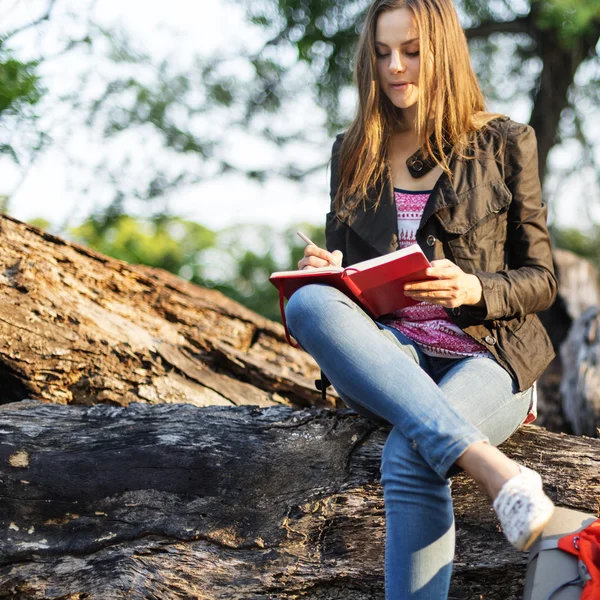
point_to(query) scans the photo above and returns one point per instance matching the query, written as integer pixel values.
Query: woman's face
(398, 60)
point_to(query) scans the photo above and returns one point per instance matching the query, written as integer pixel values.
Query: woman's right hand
(318, 257)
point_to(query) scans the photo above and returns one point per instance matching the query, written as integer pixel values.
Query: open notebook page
(325, 270)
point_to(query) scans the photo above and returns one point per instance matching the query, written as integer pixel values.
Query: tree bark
(579, 282)
(565, 399)
(176, 501)
(559, 66)
(580, 386)
(77, 327)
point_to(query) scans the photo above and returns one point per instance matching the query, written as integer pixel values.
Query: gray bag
(553, 574)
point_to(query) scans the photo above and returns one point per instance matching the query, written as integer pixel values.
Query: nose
(396, 64)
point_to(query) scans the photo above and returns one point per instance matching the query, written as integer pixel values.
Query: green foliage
(19, 84)
(247, 279)
(20, 90)
(170, 243)
(127, 104)
(323, 33)
(40, 223)
(586, 245)
(569, 19)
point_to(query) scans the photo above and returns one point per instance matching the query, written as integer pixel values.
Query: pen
(307, 240)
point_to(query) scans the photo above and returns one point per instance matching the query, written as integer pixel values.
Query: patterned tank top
(427, 324)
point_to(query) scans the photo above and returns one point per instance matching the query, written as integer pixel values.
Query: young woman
(422, 161)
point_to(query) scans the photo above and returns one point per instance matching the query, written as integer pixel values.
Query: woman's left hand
(453, 287)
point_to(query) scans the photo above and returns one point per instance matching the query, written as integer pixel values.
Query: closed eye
(409, 54)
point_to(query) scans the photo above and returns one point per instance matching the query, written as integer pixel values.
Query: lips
(400, 85)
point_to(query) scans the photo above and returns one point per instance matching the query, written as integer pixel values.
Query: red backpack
(565, 561)
(585, 545)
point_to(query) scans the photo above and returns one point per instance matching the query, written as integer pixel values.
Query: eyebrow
(402, 44)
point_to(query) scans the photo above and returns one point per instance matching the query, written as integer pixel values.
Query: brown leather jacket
(489, 220)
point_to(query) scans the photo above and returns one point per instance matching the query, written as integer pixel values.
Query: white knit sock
(523, 508)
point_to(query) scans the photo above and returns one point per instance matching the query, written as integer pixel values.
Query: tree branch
(589, 150)
(44, 17)
(520, 25)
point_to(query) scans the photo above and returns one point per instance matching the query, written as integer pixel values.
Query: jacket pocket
(475, 228)
(475, 207)
(528, 350)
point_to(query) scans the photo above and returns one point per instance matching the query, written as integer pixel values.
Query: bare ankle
(488, 466)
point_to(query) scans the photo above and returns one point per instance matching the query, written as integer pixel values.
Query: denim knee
(307, 304)
(402, 464)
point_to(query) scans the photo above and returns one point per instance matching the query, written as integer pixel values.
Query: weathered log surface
(176, 501)
(579, 288)
(79, 327)
(579, 282)
(580, 386)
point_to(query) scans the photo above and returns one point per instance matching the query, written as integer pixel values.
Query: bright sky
(203, 27)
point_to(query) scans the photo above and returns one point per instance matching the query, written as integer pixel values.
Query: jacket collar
(379, 226)
(442, 196)
(375, 224)
(421, 162)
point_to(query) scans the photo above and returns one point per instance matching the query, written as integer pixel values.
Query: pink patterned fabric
(427, 324)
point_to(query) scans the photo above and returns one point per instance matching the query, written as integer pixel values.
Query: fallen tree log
(78, 327)
(176, 501)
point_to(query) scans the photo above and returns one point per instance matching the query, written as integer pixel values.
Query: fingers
(447, 298)
(430, 286)
(338, 256)
(448, 289)
(315, 257)
(461, 288)
(312, 263)
(443, 269)
(442, 263)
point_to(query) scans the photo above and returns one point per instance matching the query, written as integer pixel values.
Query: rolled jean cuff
(445, 466)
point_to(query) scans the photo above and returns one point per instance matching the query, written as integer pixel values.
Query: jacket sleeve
(335, 230)
(529, 284)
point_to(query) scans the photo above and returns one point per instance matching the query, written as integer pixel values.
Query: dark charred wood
(176, 501)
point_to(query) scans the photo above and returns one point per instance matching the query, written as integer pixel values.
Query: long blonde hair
(453, 107)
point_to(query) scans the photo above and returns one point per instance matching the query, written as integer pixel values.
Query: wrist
(475, 295)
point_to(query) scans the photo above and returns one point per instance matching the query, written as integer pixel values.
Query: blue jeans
(438, 407)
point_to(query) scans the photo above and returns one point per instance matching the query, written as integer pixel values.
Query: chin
(402, 104)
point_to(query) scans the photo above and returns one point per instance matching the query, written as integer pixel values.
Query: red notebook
(376, 284)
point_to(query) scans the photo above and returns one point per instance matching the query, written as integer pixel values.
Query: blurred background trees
(164, 125)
